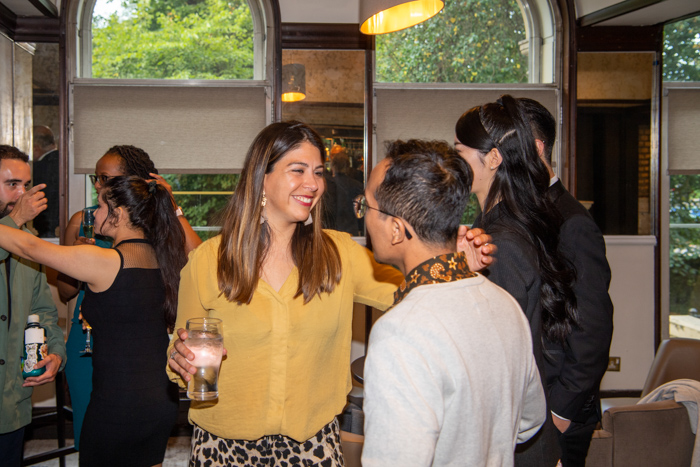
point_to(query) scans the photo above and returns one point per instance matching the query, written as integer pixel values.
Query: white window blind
(431, 112)
(185, 129)
(682, 127)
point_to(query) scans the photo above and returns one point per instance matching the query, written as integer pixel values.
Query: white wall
(632, 291)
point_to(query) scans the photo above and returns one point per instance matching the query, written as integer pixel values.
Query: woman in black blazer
(510, 182)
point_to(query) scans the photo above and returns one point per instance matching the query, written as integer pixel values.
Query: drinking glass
(206, 341)
(88, 342)
(89, 222)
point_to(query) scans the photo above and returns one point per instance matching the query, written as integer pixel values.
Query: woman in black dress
(510, 182)
(130, 303)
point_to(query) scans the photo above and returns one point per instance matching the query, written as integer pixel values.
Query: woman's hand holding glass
(181, 357)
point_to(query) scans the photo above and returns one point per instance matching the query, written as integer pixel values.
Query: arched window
(172, 39)
(189, 81)
(480, 41)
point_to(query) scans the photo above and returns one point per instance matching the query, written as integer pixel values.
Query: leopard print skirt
(323, 449)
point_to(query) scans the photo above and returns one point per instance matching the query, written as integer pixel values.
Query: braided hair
(135, 161)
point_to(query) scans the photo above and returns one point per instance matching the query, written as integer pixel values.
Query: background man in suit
(45, 169)
(573, 372)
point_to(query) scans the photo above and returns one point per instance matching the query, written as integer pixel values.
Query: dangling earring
(309, 220)
(263, 203)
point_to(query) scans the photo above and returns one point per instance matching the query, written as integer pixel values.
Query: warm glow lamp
(382, 16)
(293, 82)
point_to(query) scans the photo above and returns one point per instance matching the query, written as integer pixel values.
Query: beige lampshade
(383, 16)
(293, 82)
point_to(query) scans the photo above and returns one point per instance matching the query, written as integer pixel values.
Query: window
(681, 73)
(467, 42)
(484, 41)
(172, 39)
(186, 80)
(681, 54)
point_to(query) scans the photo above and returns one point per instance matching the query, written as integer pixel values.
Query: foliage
(469, 41)
(204, 208)
(684, 258)
(176, 39)
(471, 211)
(681, 55)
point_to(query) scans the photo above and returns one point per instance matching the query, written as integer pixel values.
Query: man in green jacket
(23, 291)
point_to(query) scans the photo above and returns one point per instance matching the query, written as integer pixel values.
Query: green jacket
(30, 295)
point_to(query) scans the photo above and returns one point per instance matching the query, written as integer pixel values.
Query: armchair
(656, 433)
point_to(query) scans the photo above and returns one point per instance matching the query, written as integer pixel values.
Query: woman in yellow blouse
(284, 288)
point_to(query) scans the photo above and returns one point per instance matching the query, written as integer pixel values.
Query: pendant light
(383, 16)
(293, 82)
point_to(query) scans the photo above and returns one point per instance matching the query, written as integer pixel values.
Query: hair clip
(152, 187)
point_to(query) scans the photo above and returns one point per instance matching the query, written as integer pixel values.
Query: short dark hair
(340, 162)
(427, 183)
(543, 125)
(43, 136)
(11, 152)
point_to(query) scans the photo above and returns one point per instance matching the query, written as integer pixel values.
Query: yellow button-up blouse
(288, 365)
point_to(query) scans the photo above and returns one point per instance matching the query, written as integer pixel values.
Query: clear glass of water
(206, 341)
(89, 222)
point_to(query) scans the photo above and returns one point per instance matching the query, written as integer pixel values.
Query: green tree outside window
(174, 39)
(472, 41)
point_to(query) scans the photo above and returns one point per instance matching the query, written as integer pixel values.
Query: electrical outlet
(614, 364)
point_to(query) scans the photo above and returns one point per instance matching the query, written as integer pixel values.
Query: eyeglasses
(102, 179)
(360, 206)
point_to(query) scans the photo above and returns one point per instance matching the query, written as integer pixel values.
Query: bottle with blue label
(34, 347)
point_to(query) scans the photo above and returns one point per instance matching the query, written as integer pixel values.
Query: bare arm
(192, 240)
(67, 286)
(70, 260)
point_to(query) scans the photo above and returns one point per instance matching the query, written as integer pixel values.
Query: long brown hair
(245, 241)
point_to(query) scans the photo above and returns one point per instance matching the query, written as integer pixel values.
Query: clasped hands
(476, 246)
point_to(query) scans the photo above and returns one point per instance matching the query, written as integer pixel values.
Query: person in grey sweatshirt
(450, 377)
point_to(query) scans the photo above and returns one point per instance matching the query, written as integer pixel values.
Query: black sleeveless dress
(133, 405)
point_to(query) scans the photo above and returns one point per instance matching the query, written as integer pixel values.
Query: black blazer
(574, 371)
(515, 269)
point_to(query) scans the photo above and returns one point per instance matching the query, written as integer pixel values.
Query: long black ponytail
(150, 209)
(519, 187)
